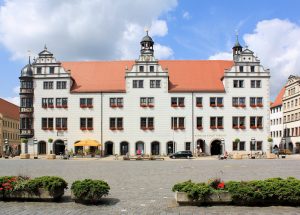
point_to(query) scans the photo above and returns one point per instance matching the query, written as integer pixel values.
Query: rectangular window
(48, 85)
(61, 102)
(51, 70)
(151, 68)
(39, 70)
(216, 101)
(116, 102)
(154, 83)
(238, 83)
(252, 68)
(199, 102)
(61, 123)
(199, 123)
(238, 122)
(216, 122)
(256, 122)
(177, 123)
(138, 84)
(86, 102)
(187, 146)
(147, 123)
(177, 102)
(147, 101)
(255, 83)
(238, 146)
(61, 85)
(241, 68)
(141, 68)
(86, 123)
(47, 123)
(116, 123)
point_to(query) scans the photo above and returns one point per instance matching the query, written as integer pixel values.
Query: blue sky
(184, 29)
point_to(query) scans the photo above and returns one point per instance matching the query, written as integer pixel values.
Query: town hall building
(146, 106)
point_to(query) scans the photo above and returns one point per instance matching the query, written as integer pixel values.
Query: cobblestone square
(144, 187)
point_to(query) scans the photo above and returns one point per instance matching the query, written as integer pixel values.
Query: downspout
(193, 122)
(101, 120)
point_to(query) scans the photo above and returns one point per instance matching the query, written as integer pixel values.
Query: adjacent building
(147, 106)
(291, 114)
(9, 128)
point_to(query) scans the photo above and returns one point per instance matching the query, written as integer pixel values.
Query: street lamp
(284, 145)
(34, 143)
(252, 145)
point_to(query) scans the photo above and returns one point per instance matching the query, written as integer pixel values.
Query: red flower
(1, 188)
(221, 185)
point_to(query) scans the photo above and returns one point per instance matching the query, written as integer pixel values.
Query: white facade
(276, 124)
(246, 69)
(291, 114)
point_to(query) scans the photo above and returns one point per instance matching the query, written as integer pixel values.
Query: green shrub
(90, 190)
(197, 191)
(10, 184)
(275, 191)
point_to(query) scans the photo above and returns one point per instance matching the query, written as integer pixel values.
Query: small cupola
(147, 45)
(237, 48)
(27, 70)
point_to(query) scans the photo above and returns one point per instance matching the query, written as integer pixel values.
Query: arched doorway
(109, 148)
(59, 147)
(42, 148)
(155, 148)
(291, 147)
(124, 148)
(215, 147)
(201, 146)
(297, 150)
(171, 147)
(140, 148)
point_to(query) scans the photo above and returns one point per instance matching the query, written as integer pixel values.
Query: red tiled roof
(184, 75)
(9, 110)
(278, 100)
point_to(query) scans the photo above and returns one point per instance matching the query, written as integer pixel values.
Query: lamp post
(252, 145)
(284, 145)
(5, 146)
(34, 143)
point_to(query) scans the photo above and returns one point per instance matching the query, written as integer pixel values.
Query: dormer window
(151, 68)
(241, 69)
(39, 70)
(51, 70)
(141, 68)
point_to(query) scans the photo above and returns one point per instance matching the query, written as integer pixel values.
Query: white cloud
(79, 29)
(221, 56)
(186, 15)
(15, 100)
(276, 42)
(163, 52)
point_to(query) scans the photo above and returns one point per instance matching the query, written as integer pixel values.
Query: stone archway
(140, 148)
(124, 148)
(42, 147)
(155, 148)
(109, 148)
(171, 147)
(59, 147)
(201, 146)
(215, 147)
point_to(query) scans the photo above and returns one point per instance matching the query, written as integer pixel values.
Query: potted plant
(237, 140)
(89, 191)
